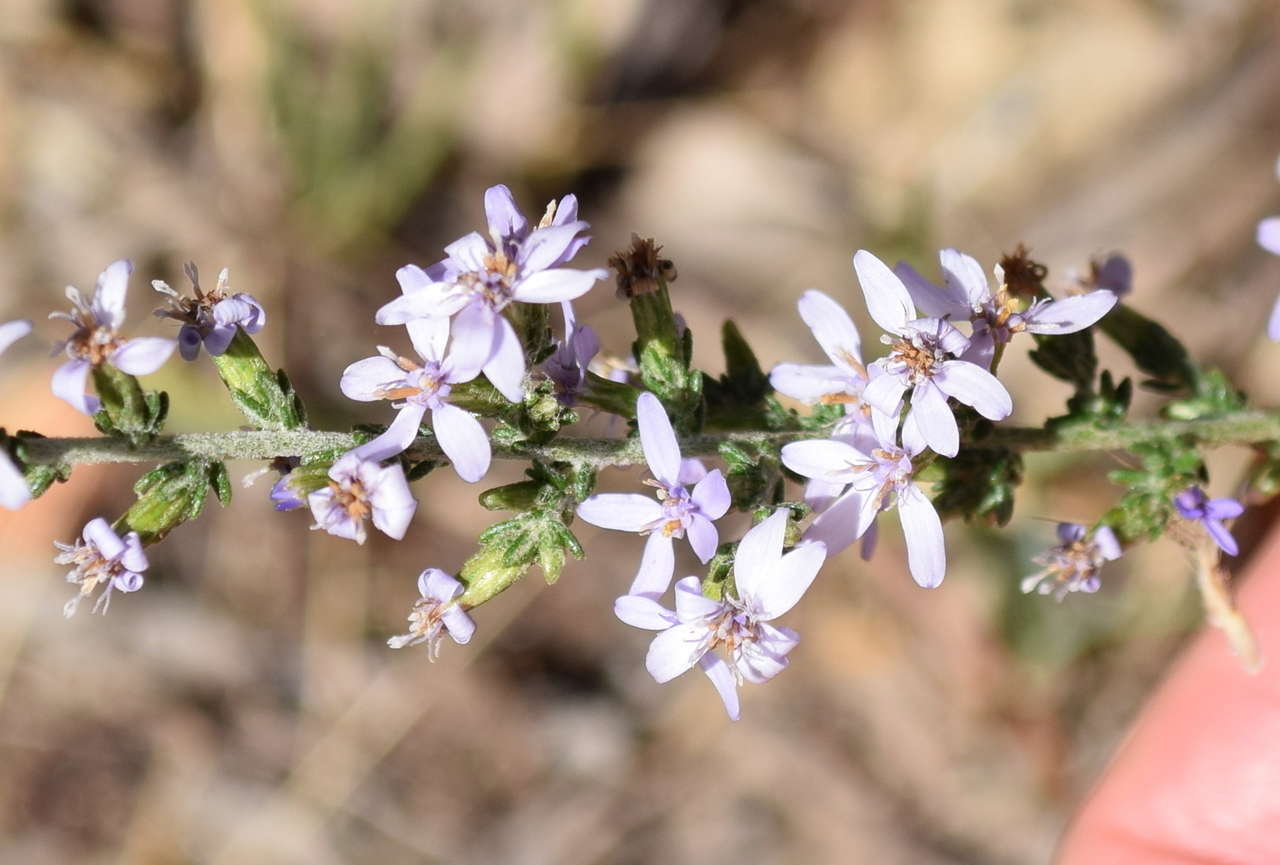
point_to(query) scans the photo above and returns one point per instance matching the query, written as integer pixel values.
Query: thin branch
(1243, 427)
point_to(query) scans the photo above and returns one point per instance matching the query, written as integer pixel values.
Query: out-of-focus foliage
(243, 708)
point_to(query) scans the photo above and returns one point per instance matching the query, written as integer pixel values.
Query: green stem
(1243, 427)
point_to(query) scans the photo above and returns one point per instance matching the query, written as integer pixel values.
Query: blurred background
(243, 707)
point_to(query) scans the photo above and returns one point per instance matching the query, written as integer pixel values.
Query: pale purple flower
(677, 511)
(12, 331)
(1193, 504)
(436, 613)
(97, 339)
(515, 263)
(284, 497)
(210, 319)
(768, 583)
(842, 381)
(1073, 565)
(419, 388)
(14, 492)
(879, 476)
(966, 294)
(100, 558)
(1114, 273)
(360, 488)
(568, 364)
(1268, 236)
(923, 358)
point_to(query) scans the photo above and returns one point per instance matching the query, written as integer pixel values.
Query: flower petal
(217, 341)
(833, 329)
(658, 439)
(884, 393)
(758, 553)
(1070, 314)
(393, 503)
(761, 659)
(143, 355)
(1107, 544)
(675, 650)
(926, 546)
(461, 627)
(711, 495)
(14, 492)
(933, 418)
(657, 567)
(69, 382)
(1273, 323)
(474, 337)
(430, 336)
(99, 533)
(702, 536)
(1269, 234)
(504, 218)
(691, 604)
(780, 589)
(808, 382)
(931, 299)
(640, 611)
(826, 460)
(1224, 509)
(726, 684)
(435, 299)
(463, 441)
(820, 495)
(1221, 536)
(12, 331)
(691, 471)
(887, 299)
(621, 512)
(469, 252)
(413, 278)
(965, 277)
(556, 284)
(974, 386)
(839, 525)
(437, 585)
(133, 557)
(870, 537)
(108, 294)
(546, 247)
(366, 380)
(505, 367)
(396, 438)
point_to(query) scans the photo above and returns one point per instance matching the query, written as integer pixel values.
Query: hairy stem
(1244, 427)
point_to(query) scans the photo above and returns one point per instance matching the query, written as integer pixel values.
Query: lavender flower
(426, 387)
(841, 382)
(1268, 237)
(677, 509)
(568, 364)
(997, 316)
(102, 558)
(1114, 273)
(14, 492)
(516, 263)
(1072, 565)
(1193, 504)
(96, 339)
(210, 319)
(435, 612)
(768, 583)
(879, 476)
(923, 358)
(360, 488)
(12, 331)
